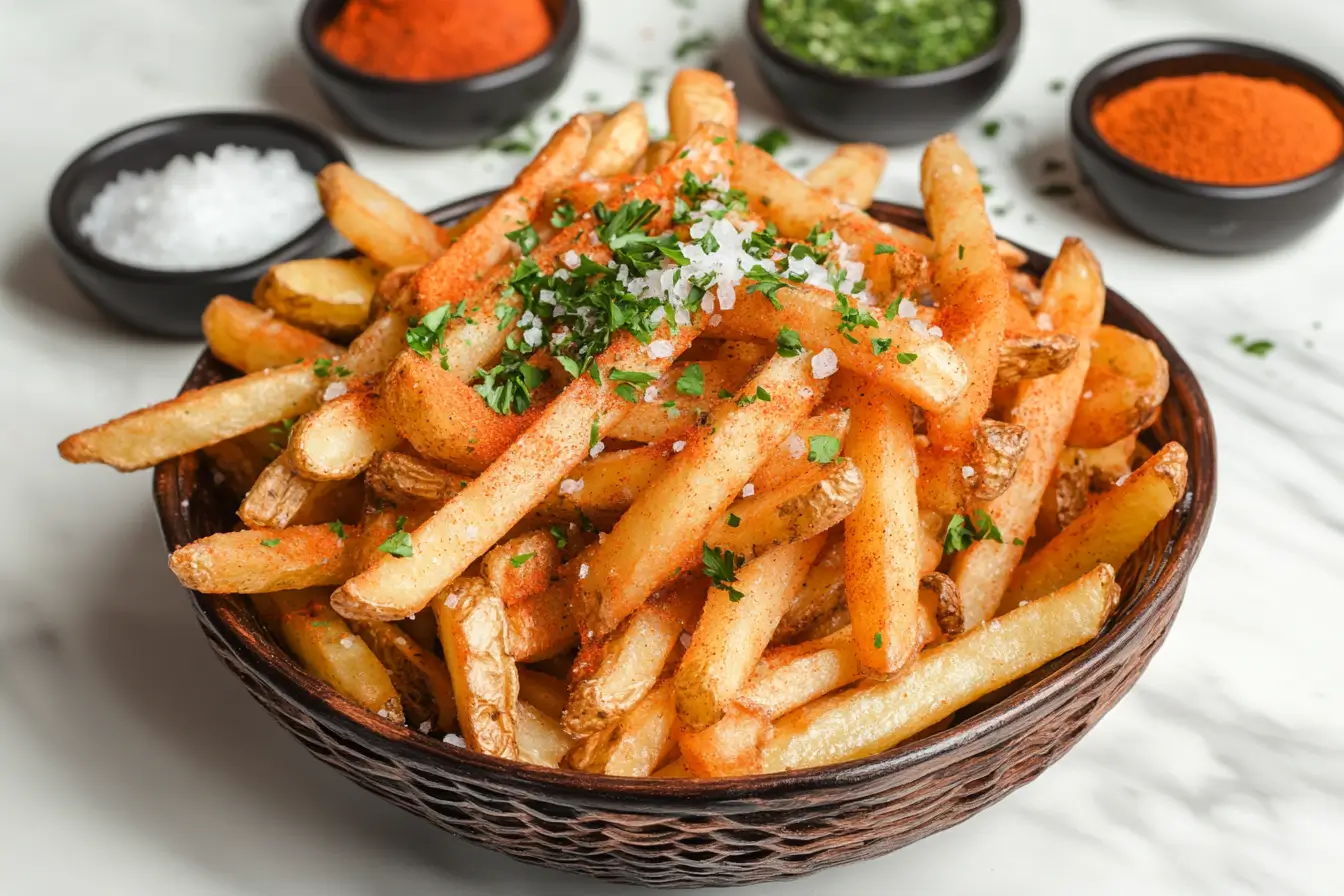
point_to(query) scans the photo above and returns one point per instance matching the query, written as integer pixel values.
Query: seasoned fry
(658, 154)
(735, 629)
(789, 460)
(789, 677)
(545, 692)
(394, 476)
(522, 566)
(1030, 356)
(238, 461)
(1065, 497)
(1124, 390)
(850, 173)
(541, 626)
(252, 561)
(1074, 297)
(699, 97)
(380, 225)
(281, 497)
(420, 678)
(879, 715)
(321, 642)
(195, 419)
(637, 743)
(665, 523)
(882, 534)
(619, 143)
(331, 296)
(541, 739)
(652, 421)
(474, 631)
(822, 591)
(339, 439)
(249, 339)
(731, 746)
(1106, 465)
(1109, 530)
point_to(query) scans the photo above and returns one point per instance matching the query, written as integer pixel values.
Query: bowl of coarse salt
(155, 220)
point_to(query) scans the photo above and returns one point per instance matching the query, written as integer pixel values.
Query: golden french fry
(731, 746)
(735, 629)
(281, 497)
(339, 439)
(542, 625)
(878, 715)
(1065, 497)
(789, 460)
(420, 678)
(989, 469)
(325, 646)
(239, 461)
(545, 692)
(637, 743)
(790, 677)
(657, 154)
(1030, 356)
(850, 173)
(618, 143)
(1106, 465)
(331, 296)
(394, 476)
(699, 97)
(522, 566)
(372, 350)
(252, 561)
(195, 419)
(474, 631)
(250, 339)
(541, 739)
(379, 224)
(1074, 297)
(821, 592)
(1109, 530)
(664, 524)
(652, 421)
(1124, 390)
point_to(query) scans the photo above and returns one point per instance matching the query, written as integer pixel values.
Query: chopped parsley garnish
(906, 357)
(558, 533)
(822, 449)
(724, 393)
(691, 381)
(877, 640)
(427, 334)
(1257, 347)
(518, 560)
(1017, 542)
(884, 249)
(721, 567)
(852, 315)
(525, 238)
(563, 215)
(700, 43)
(880, 345)
(593, 434)
(325, 367)
(759, 395)
(894, 308)
(338, 527)
(962, 532)
(734, 521)
(991, 128)
(638, 377)
(269, 542)
(787, 343)
(772, 140)
(507, 387)
(627, 391)
(961, 252)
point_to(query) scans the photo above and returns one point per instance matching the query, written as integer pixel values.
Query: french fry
(665, 523)
(821, 592)
(657, 154)
(934, 377)
(474, 631)
(632, 660)
(250, 339)
(789, 460)
(237, 461)
(735, 629)
(331, 296)
(699, 97)
(420, 678)
(619, 143)
(1065, 497)
(850, 173)
(545, 692)
(1124, 390)
(876, 716)
(339, 439)
(731, 746)
(394, 285)
(882, 534)
(372, 350)
(971, 286)
(1074, 297)
(1106, 465)
(827, 624)
(379, 224)
(485, 244)
(1109, 530)
(652, 421)
(321, 642)
(195, 419)
(995, 453)
(1031, 356)
(253, 561)
(637, 743)
(789, 677)
(395, 476)
(541, 739)
(542, 625)
(281, 497)
(522, 566)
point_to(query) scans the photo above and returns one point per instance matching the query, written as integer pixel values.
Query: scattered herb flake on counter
(773, 140)
(1055, 190)
(1057, 85)
(700, 43)
(881, 37)
(1257, 347)
(991, 128)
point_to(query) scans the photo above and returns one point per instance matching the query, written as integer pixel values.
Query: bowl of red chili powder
(438, 73)
(1211, 146)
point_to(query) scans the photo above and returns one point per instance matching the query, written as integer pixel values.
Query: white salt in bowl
(154, 293)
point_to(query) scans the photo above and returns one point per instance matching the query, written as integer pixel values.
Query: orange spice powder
(428, 40)
(1221, 128)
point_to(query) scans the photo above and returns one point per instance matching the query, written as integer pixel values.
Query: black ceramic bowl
(900, 109)
(1183, 214)
(439, 114)
(169, 303)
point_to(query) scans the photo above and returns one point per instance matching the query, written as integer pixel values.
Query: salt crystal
(715, 320)
(995, 625)
(677, 446)
(583, 570)
(795, 445)
(660, 348)
(1043, 322)
(571, 486)
(968, 471)
(334, 391)
(348, 641)
(824, 363)
(382, 713)
(806, 392)
(1087, 394)
(748, 490)
(424, 727)
(598, 448)
(454, 739)
(472, 531)
(651, 394)
(918, 326)
(936, 331)
(1122, 479)
(571, 259)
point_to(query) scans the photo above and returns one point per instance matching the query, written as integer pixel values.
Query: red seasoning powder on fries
(434, 40)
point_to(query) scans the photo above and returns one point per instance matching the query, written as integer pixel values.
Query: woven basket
(671, 832)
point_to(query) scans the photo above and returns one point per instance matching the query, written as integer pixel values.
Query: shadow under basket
(680, 832)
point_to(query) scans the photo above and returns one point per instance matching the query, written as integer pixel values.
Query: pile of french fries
(856, 481)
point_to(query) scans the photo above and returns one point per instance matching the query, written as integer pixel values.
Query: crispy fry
(789, 460)
(731, 746)
(1106, 465)
(1030, 356)
(878, 715)
(541, 739)
(250, 339)
(394, 476)
(735, 629)
(635, 744)
(1124, 390)
(420, 678)
(380, 225)
(523, 566)
(331, 296)
(619, 143)
(659, 153)
(1074, 297)
(699, 97)
(541, 626)
(474, 631)
(253, 561)
(545, 692)
(821, 592)
(850, 173)
(1109, 530)
(372, 350)
(340, 438)
(321, 642)
(281, 497)
(238, 461)
(652, 421)
(1065, 497)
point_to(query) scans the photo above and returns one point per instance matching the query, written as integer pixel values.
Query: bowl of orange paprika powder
(1211, 146)
(438, 73)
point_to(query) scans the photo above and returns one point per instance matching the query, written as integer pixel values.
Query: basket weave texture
(681, 833)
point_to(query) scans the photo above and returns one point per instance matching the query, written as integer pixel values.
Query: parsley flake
(961, 532)
(884, 249)
(787, 343)
(721, 567)
(558, 533)
(822, 449)
(563, 215)
(880, 345)
(525, 238)
(1258, 347)
(772, 140)
(877, 640)
(338, 527)
(518, 560)
(734, 521)
(906, 357)
(269, 542)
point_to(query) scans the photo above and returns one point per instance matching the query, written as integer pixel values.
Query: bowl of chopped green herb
(892, 73)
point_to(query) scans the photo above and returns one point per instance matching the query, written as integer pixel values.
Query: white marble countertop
(134, 763)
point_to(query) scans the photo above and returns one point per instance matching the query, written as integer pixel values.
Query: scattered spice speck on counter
(203, 212)
(434, 40)
(881, 38)
(1220, 128)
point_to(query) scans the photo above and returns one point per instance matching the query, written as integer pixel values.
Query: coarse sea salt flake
(454, 739)
(715, 320)
(660, 348)
(598, 448)
(472, 531)
(995, 625)
(806, 392)
(571, 486)
(1044, 322)
(348, 641)
(335, 390)
(583, 570)
(425, 726)
(677, 446)
(967, 471)
(795, 445)
(571, 259)
(651, 394)
(748, 490)
(824, 364)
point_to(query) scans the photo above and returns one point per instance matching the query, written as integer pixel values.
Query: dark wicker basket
(670, 832)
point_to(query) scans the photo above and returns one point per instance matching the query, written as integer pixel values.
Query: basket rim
(234, 627)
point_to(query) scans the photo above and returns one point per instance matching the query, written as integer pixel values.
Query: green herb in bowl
(877, 38)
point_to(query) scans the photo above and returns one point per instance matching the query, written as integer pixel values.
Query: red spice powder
(1221, 128)
(430, 40)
